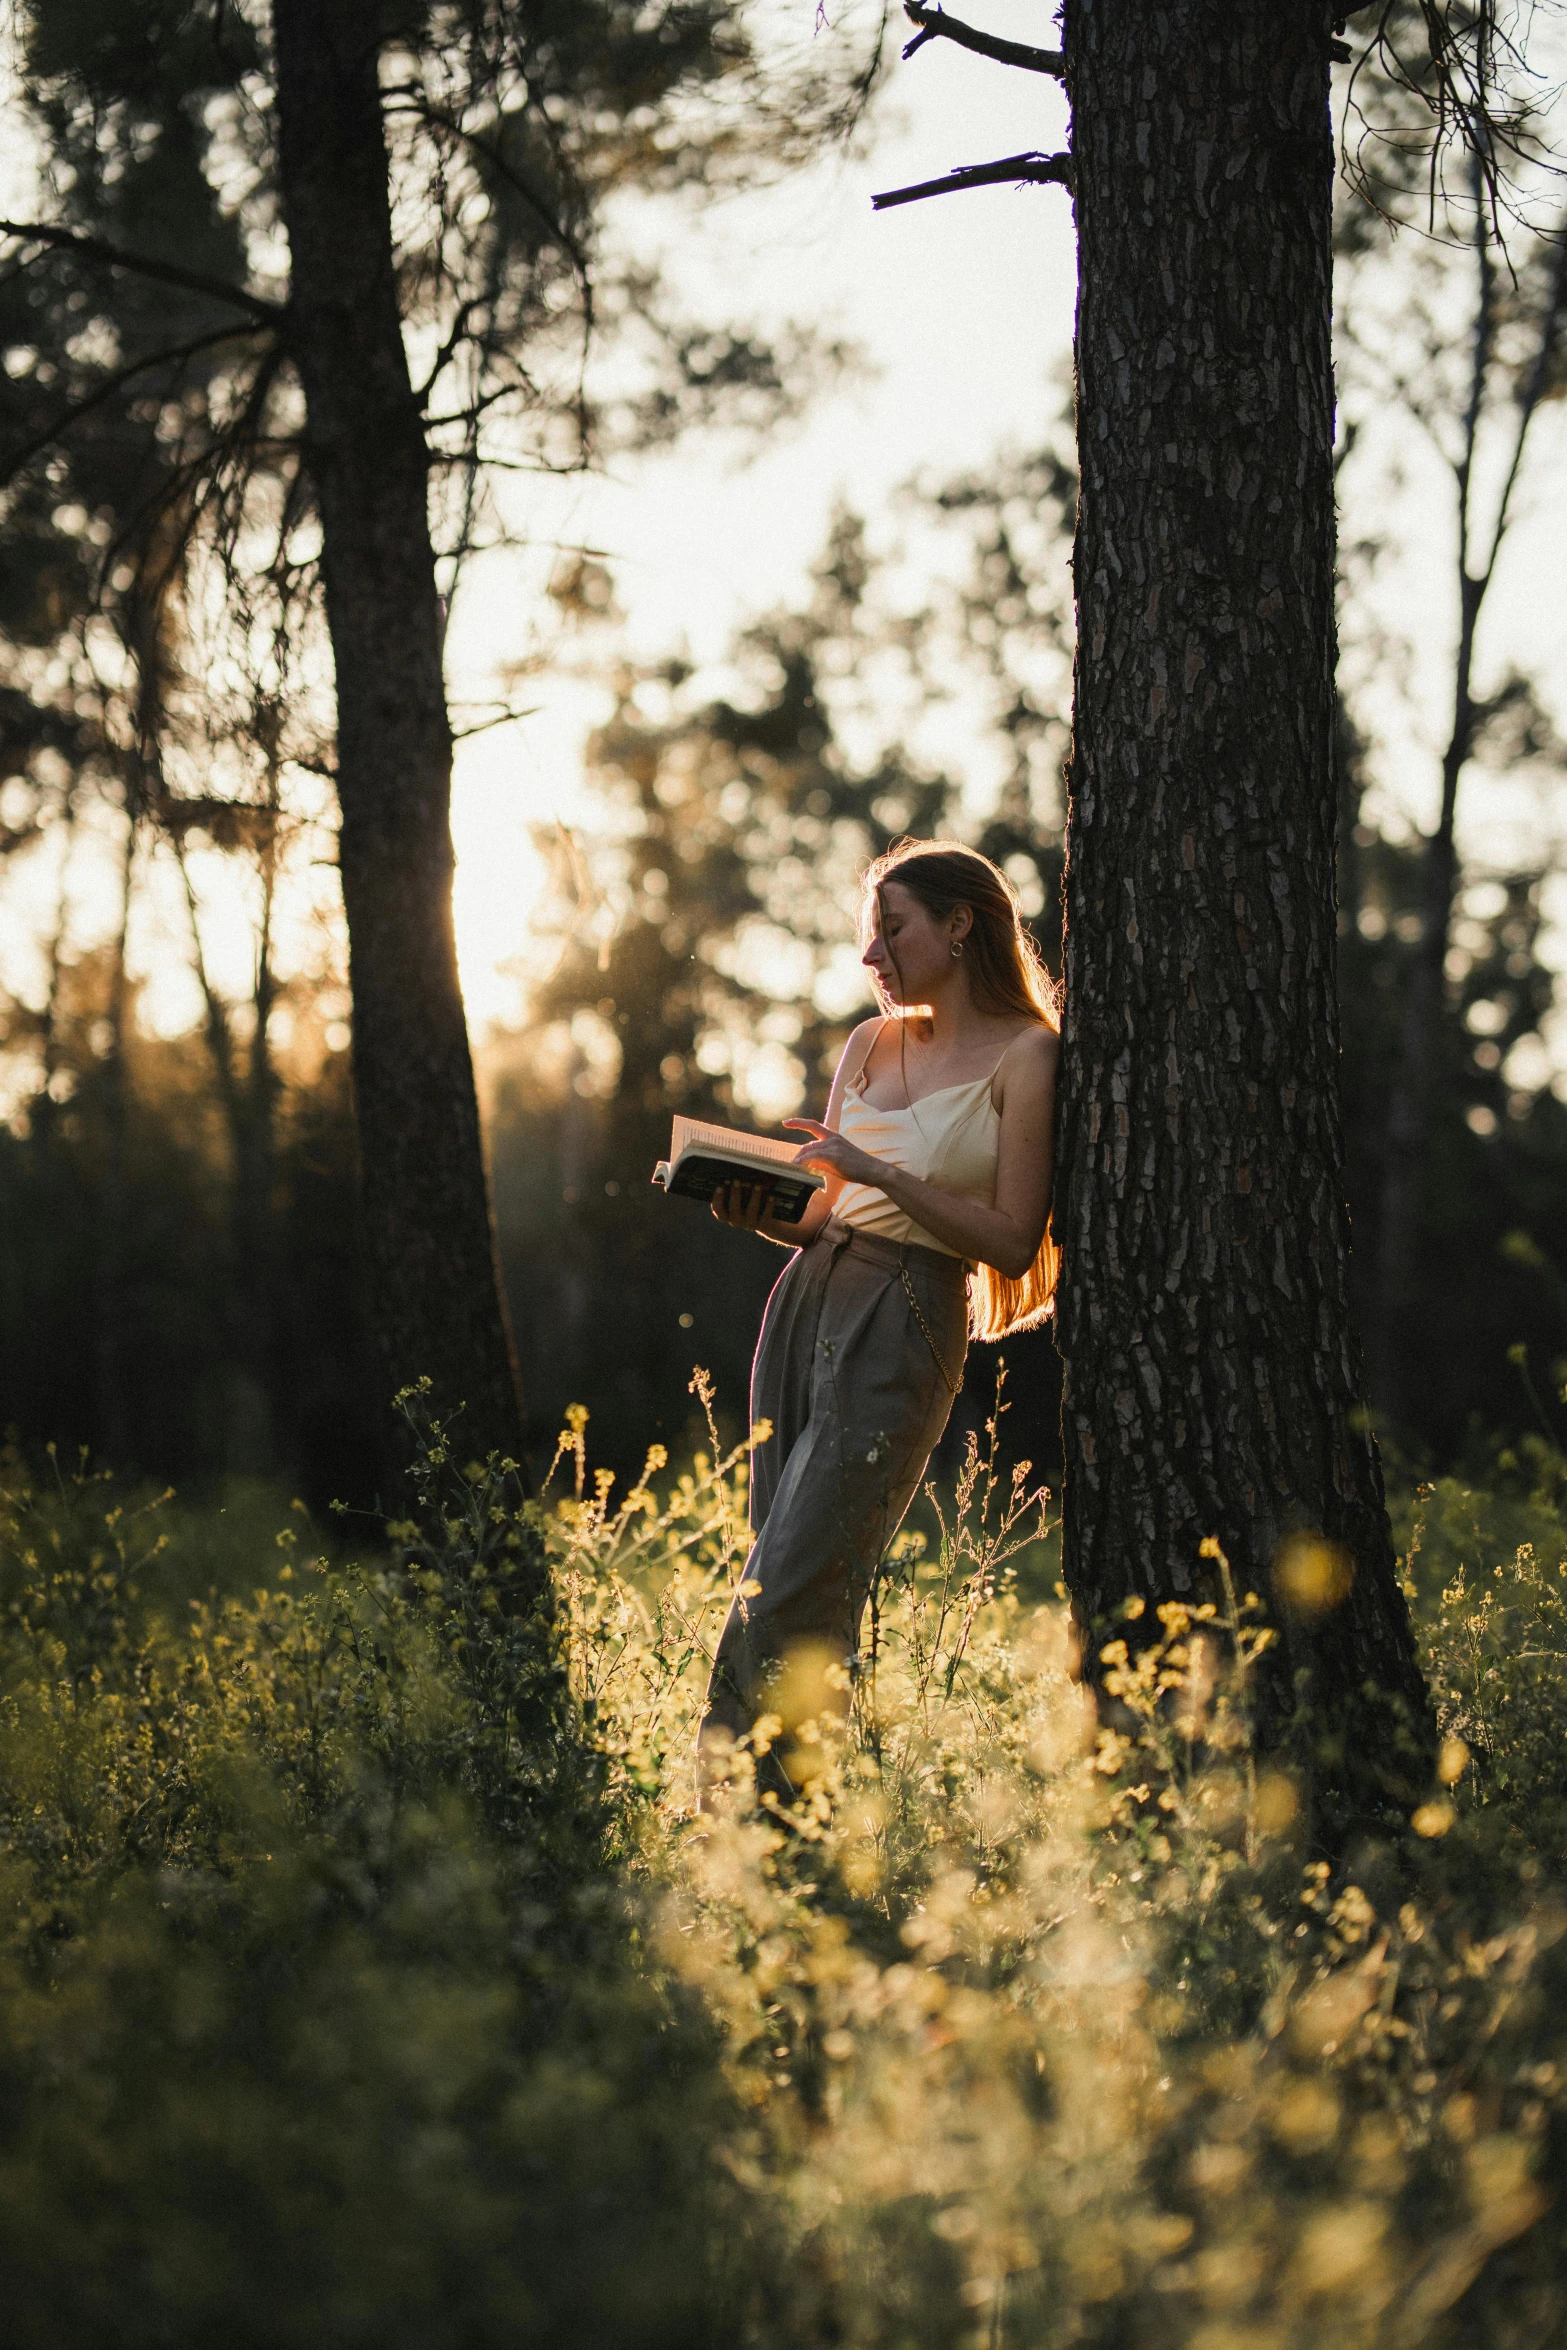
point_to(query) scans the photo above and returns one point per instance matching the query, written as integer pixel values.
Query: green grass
(365, 1976)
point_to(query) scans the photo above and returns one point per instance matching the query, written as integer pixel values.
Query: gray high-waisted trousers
(857, 1398)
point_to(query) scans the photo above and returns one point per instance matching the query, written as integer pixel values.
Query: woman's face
(910, 949)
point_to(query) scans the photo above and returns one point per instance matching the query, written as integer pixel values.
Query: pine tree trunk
(1212, 1380)
(435, 1297)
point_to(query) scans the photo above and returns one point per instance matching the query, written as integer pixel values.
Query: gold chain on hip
(952, 1384)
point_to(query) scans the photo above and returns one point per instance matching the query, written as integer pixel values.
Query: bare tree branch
(1040, 170)
(12, 464)
(1537, 383)
(463, 734)
(169, 273)
(1468, 69)
(476, 408)
(418, 103)
(443, 357)
(935, 23)
(415, 100)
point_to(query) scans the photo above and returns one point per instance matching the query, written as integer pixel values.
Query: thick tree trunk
(434, 1294)
(1212, 1380)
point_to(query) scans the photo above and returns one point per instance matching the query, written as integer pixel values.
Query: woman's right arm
(741, 1204)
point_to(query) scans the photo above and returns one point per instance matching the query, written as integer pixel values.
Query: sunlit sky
(963, 308)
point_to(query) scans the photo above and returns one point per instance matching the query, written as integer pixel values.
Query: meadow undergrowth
(367, 1976)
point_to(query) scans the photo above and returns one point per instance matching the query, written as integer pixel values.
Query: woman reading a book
(932, 1228)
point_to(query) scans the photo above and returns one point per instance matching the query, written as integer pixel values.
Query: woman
(937, 1153)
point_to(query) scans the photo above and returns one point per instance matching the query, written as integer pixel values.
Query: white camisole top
(950, 1138)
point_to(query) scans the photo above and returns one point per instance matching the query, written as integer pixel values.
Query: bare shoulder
(1029, 1063)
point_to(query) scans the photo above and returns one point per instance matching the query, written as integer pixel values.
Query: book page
(690, 1134)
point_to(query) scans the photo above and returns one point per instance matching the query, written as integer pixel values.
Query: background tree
(1490, 1227)
(1512, 357)
(285, 416)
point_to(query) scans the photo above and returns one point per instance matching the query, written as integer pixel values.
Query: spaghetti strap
(858, 1071)
(852, 1082)
(996, 1071)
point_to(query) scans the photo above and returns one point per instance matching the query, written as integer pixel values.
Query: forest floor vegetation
(366, 1976)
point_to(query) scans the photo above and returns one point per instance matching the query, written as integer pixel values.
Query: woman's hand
(744, 1205)
(833, 1154)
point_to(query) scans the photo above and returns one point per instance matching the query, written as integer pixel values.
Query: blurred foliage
(704, 965)
(118, 1270)
(708, 964)
(1493, 1223)
(707, 961)
(319, 1997)
(164, 676)
(150, 417)
(354, 1979)
(708, 967)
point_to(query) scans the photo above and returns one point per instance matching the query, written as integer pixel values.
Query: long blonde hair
(1006, 974)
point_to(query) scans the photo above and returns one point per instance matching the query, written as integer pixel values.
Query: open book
(703, 1157)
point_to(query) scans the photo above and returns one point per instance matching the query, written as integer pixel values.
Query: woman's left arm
(1006, 1235)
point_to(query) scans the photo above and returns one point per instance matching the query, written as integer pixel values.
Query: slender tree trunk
(44, 1115)
(1409, 1112)
(255, 1223)
(248, 1097)
(435, 1297)
(115, 1344)
(1346, 760)
(1212, 1380)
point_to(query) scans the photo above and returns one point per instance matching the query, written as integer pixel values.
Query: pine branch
(14, 461)
(415, 101)
(169, 273)
(934, 23)
(507, 717)
(1040, 170)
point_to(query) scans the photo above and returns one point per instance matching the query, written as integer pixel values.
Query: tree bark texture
(435, 1298)
(1212, 1382)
